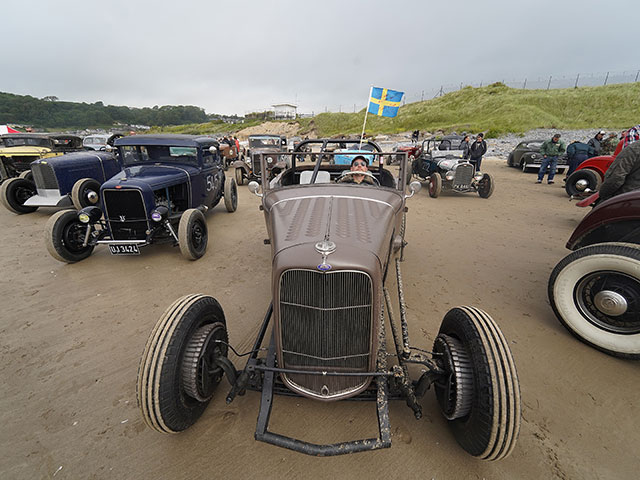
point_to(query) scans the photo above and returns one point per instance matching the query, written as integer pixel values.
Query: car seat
(323, 177)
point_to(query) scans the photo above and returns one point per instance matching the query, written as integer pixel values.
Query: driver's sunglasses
(359, 164)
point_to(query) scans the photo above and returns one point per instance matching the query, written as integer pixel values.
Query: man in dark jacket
(624, 173)
(578, 152)
(596, 142)
(477, 150)
(550, 150)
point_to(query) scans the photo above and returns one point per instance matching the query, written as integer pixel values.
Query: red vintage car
(595, 291)
(590, 174)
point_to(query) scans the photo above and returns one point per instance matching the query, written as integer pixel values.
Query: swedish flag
(384, 102)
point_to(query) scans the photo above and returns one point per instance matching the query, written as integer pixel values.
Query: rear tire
(595, 293)
(82, 191)
(64, 235)
(573, 184)
(435, 185)
(193, 234)
(173, 386)
(481, 395)
(14, 192)
(486, 186)
(230, 195)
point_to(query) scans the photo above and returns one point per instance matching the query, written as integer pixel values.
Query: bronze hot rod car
(334, 247)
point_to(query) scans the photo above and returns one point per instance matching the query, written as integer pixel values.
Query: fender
(242, 165)
(597, 164)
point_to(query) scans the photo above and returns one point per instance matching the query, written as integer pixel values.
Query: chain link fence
(528, 83)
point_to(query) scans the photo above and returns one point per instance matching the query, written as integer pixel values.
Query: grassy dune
(495, 109)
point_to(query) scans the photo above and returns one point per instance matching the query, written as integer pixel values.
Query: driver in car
(358, 164)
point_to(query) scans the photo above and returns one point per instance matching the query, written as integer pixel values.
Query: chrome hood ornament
(326, 247)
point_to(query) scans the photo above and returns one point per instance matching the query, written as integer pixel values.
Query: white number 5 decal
(209, 183)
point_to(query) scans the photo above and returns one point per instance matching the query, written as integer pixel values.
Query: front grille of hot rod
(325, 325)
(44, 177)
(464, 175)
(126, 214)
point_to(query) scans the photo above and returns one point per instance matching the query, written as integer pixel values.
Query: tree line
(49, 112)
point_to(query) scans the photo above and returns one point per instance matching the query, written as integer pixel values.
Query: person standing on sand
(477, 150)
(550, 150)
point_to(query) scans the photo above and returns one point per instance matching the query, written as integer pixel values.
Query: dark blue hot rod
(68, 180)
(167, 184)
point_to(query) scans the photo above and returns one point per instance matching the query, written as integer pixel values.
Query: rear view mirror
(254, 188)
(414, 187)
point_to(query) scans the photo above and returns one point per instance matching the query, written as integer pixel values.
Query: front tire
(435, 185)
(595, 293)
(14, 192)
(239, 176)
(64, 236)
(177, 376)
(27, 175)
(580, 180)
(486, 186)
(480, 396)
(230, 194)
(193, 234)
(85, 193)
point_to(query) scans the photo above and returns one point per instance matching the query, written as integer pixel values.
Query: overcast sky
(241, 56)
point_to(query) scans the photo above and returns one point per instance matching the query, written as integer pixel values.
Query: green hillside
(495, 109)
(498, 109)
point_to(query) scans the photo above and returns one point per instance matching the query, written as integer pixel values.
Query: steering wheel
(366, 174)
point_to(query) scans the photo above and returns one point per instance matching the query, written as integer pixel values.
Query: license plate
(463, 187)
(124, 249)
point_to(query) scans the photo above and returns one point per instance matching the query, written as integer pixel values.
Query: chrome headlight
(450, 175)
(269, 160)
(89, 214)
(159, 214)
(478, 176)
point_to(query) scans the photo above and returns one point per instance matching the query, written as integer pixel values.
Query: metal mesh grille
(464, 174)
(255, 160)
(325, 324)
(126, 214)
(44, 177)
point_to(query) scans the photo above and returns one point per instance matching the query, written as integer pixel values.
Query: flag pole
(366, 111)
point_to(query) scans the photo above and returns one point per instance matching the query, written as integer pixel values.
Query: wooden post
(606, 78)
(637, 76)
(577, 78)
(525, 84)
(549, 84)
(422, 97)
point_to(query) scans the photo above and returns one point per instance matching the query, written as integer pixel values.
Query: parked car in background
(447, 170)
(18, 150)
(268, 145)
(589, 175)
(99, 141)
(412, 149)
(595, 291)
(450, 142)
(527, 156)
(334, 247)
(71, 180)
(167, 184)
(345, 155)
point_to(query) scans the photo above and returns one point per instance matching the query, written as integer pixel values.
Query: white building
(284, 110)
